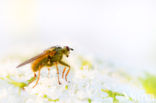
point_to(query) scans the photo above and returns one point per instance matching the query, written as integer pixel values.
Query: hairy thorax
(46, 61)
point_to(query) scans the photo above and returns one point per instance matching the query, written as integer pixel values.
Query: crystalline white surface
(84, 84)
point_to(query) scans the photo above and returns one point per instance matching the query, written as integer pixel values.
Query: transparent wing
(38, 56)
(31, 59)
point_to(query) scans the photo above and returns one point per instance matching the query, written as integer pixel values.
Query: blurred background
(123, 31)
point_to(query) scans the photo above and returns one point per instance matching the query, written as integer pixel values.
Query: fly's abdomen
(39, 63)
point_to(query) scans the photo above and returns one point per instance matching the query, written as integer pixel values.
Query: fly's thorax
(57, 57)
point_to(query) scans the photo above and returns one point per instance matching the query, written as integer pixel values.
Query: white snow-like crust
(84, 84)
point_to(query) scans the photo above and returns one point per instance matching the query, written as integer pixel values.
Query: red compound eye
(67, 48)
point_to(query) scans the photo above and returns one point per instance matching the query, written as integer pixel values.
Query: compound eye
(67, 48)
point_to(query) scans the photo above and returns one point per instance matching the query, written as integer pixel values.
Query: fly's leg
(65, 64)
(33, 78)
(37, 78)
(48, 72)
(63, 72)
(67, 74)
(57, 73)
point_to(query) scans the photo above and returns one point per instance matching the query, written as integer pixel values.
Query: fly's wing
(36, 57)
(31, 59)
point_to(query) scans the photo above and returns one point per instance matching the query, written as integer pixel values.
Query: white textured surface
(84, 84)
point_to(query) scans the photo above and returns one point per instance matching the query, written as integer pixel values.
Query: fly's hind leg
(37, 78)
(57, 73)
(33, 78)
(65, 64)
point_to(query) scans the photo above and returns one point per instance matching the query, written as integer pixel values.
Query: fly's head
(66, 50)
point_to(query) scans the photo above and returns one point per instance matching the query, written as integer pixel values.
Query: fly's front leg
(63, 72)
(65, 64)
(67, 74)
